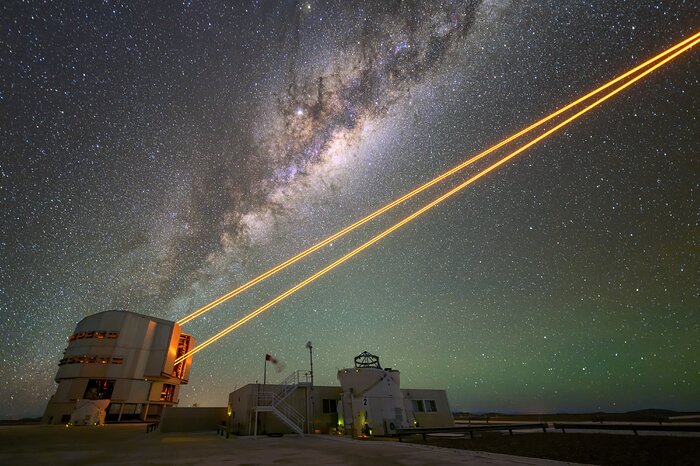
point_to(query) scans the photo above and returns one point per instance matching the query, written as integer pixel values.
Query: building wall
(325, 422)
(58, 413)
(242, 418)
(419, 405)
(191, 419)
(239, 406)
(242, 402)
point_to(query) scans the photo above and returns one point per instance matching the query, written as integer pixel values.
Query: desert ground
(120, 444)
(130, 444)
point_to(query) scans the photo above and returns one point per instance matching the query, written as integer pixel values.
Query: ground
(590, 448)
(130, 444)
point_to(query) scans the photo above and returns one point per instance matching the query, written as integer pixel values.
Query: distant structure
(125, 358)
(370, 401)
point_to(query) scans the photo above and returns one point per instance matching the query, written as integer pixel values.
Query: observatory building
(124, 358)
(371, 398)
(369, 401)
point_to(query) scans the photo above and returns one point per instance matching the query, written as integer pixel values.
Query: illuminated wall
(372, 399)
(335, 410)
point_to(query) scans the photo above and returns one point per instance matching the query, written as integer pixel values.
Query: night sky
(155, 157)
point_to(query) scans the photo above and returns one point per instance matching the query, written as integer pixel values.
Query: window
(88, 359)
(131, 412)
(99, 389)
(98, 334)
(168, 392)
(330, 406)
(418, 406)
(183, 346)
(424, 406)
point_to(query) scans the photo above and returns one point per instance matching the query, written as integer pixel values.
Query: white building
(123, 357)
(370, 401)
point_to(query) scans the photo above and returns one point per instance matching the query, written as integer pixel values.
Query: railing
(633, 427)
(291, 383)
(151, 426)
(292, 414)
(222, 429)
(467, 429)
(282, 409)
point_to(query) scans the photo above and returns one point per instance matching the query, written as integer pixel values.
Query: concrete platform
(129, 444)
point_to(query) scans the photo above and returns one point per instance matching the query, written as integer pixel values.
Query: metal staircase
(290, 384)
(273, 401)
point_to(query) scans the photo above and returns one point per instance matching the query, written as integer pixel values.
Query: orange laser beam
(424, 186)
(429, 206)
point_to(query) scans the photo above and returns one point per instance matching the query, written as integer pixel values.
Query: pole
(310, 394)
(255, 432)
(308, 418)
(265, 373)
(257, 403)
(311, 360)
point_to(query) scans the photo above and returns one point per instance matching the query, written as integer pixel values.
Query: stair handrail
(273, 400)
(292, 381)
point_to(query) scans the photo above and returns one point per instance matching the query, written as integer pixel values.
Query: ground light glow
(423, 187)
(687, 46)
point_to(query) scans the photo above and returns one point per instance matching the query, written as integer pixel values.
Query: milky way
(391, 53)
(155, 158)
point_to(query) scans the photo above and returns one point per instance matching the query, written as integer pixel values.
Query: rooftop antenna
(311, 360)
(366, 359)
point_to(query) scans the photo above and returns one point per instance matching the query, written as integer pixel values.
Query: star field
(155, 157)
